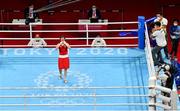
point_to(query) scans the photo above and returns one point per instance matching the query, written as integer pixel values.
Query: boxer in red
(63, 61)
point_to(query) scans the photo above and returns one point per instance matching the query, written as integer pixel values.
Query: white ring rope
(75, 31)
(31, 31)
(50, 46)
(32, 88)
(110, 23)
(75, 38)
(110, 104)
(69, 96)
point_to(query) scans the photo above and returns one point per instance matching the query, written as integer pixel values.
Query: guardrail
(85, 30)
(93, 95)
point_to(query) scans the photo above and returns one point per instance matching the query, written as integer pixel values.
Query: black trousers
(169, 84)
(166, 51)
(175, 44)
(94, 20)
(28, 20)
(166, 47)
(156, 53)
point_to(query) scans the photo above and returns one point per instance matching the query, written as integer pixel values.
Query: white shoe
(65, 81)
(175, 58)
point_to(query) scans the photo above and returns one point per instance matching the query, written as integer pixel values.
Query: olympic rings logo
(50, 79)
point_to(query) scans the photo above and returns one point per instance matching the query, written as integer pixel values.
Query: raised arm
(68, 46)
(44, 43)
(30, 43)
(57, 46)
(104, 42)
(153, 35)
(164, 24)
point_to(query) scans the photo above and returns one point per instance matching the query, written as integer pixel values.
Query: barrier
(94, 95)
(87, 39)
(165, 99)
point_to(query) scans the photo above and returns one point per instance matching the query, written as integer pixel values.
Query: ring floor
(90, 67)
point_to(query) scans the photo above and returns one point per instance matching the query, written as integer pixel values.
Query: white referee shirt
(160, 37)
(37, 43)
(98, 42)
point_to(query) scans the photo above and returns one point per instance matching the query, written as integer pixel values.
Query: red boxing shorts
(63, 63)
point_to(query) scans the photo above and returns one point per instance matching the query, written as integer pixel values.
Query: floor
(90, 67)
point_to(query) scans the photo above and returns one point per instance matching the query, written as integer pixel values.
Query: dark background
(113, 10)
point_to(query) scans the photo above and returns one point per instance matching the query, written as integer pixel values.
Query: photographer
(167, 79)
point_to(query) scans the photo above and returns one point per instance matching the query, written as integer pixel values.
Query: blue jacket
(175, 31)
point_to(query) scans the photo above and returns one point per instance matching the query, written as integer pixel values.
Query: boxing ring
(100, 79)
